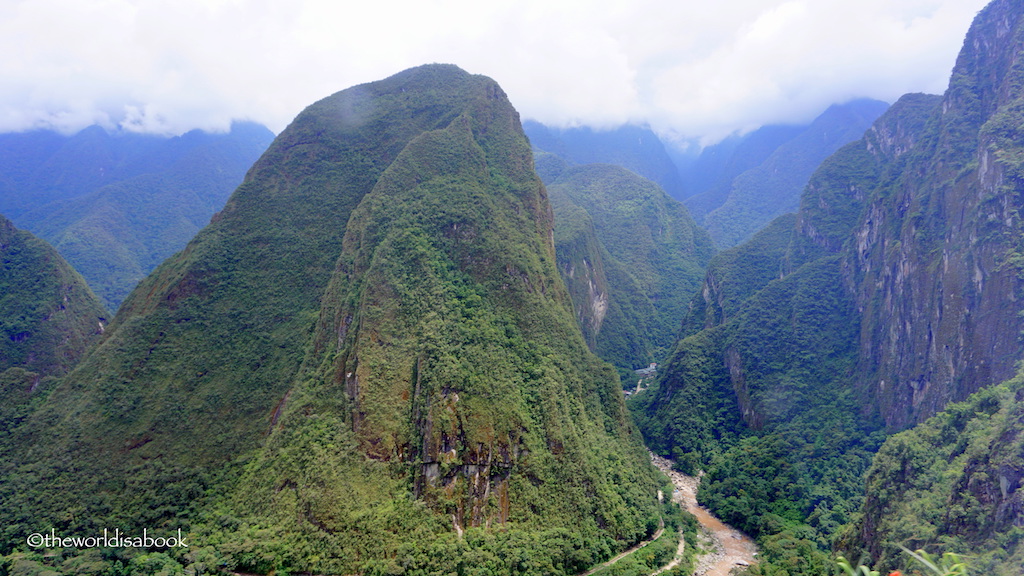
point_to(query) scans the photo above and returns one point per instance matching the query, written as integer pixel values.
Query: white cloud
(686, 67)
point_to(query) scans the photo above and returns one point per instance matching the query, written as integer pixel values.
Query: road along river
(733, 548)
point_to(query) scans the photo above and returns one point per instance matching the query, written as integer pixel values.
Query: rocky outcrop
(933, 258)
(631, 257)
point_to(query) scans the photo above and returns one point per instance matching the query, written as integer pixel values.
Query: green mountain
(48, 317)
(891, 293)
(47, 312)
(631, 257)
(366, 363)
(952, 483)
(740, 203)
(117, 205)
(635, 148)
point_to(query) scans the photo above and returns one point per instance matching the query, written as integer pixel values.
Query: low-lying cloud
(687, 68)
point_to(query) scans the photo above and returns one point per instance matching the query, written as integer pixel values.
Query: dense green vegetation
(367, 363)
(631, 257)
(116, 206)
(48, 315)
(678, 524)
(758, 403)
(953, 484)
(761, 390)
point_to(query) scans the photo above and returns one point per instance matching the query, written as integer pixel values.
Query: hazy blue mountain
(632, 147)
(708, 176)
(760, 193)
(116, 205)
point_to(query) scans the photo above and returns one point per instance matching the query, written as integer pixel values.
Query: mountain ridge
(116, 205)
(907, 240)
(325, 359)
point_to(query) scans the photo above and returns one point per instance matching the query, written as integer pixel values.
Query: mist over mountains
(397, 337)
(117, 205)
(867, 314)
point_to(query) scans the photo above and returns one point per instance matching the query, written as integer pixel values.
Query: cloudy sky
(683, 66)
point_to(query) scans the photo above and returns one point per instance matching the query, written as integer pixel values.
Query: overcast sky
(688, 67)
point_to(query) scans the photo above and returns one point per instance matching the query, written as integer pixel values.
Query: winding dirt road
(733, 548)
(661, 530)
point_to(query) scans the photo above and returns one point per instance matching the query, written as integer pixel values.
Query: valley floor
(732, 548)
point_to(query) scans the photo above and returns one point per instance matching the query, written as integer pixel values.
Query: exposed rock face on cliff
(894, 291)
(935, 260)
(367, 352)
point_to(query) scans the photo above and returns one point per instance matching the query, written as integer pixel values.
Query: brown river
(732, 548)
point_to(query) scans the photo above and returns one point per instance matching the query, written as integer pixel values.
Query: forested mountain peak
(371, 338)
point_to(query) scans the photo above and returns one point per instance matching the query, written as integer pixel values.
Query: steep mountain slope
(48, 314)
(116, 206)
(632, 147)
(740, 312)
(709, 175)
(952, 483)
(631, 257)
(935, 260)
(939, 278)
(895, 294)
(772, 188)
(48, 317)
(367, 353)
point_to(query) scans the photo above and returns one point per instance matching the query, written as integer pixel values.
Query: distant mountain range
(740, 185)
(116, 205)
(632, 147)
(733, 188)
